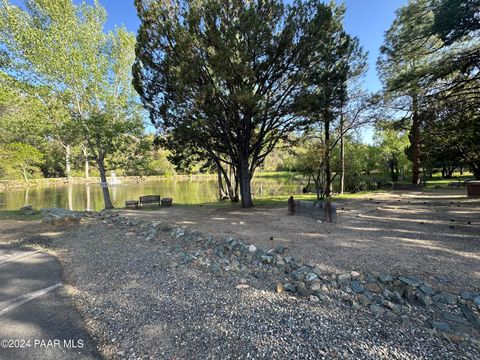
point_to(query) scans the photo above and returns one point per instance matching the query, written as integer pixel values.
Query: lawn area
(19, 215)
(437, 179)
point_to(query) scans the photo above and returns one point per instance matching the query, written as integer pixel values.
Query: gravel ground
(433, 235)
(138, 303)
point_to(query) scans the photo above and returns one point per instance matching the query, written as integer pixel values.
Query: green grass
(282, 199)
(278, 175)
(437, 179)
(18, 215)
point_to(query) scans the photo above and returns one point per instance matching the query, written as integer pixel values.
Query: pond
(183, 191)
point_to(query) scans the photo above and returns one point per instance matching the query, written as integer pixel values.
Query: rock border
(377, 293)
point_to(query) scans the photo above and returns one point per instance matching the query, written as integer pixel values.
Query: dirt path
(433, 235)
(38, 319)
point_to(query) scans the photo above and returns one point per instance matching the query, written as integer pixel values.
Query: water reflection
(89, 196)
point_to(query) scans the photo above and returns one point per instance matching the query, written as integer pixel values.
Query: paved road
(37, 318)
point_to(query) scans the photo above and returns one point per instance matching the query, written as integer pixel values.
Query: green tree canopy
(225, 77)
(61, 50)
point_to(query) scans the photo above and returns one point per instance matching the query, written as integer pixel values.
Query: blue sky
(367, 19)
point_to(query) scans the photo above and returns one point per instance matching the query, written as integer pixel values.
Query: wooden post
(291, 206)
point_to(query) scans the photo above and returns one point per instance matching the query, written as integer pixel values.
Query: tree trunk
(245, 186)
(221, 191)
(415, 142)
(475, 169)
(342, 156)
(103, 177)
(24, 170)
(67, 160)
(227, 175)
(87, 165)
(328, 171)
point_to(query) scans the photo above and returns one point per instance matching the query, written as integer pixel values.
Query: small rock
(373, 287)
(450, 298)
(391, 306)
(311, 277)
(259, 275)
(267, 259)
(356, 305)
(364, 300)
(313, 298)
(280, 263)
(317, 271)
(385, 278)
(290, 287)
(376, 309)
(466, 295)
(302, 289)
(344, 279)
(355, 274)
(216, 269)
(279, 288)
(427, 290)
(476, 301)
(440, 326)
(357, 287)
(409, 293)
(323, 297)
(298, 275)
(242, 286)
(26, 208)
(377, 299)
(470, 315)
(252, 248)
(451, 317)
(316, 286)
(424, 299)
(280, 249)
(410, 280)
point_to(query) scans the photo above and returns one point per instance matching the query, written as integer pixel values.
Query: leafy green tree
(311, 163)
(225, 77)
(20, 158)
(456, 19)
(404, 54)
(333, 98)
(453, 138)
(60, 48)
(326, 89)
(392, 144)
(21, 117)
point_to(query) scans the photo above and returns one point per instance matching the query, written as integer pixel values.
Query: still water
(89, 196)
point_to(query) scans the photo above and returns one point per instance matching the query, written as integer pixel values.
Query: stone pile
(377, 293)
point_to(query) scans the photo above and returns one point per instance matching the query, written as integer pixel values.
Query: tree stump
(291, 206)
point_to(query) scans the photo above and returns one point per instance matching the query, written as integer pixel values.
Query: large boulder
(27, 210)
(57, 216)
